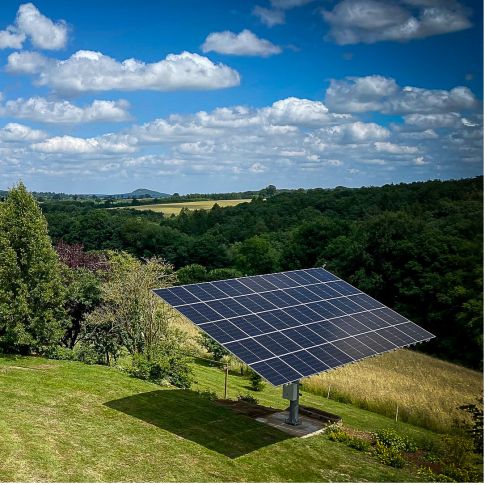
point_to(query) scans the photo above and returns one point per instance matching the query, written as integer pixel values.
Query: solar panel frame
(284, 325)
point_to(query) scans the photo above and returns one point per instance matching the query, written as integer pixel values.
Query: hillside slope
(66, 421)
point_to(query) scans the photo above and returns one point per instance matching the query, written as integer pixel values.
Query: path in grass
(66, 421)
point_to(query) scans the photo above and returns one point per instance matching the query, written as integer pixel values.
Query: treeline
(415, 247)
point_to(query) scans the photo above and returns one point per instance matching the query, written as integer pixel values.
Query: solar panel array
(291, 325)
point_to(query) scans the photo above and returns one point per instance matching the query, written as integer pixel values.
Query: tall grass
(427, 391)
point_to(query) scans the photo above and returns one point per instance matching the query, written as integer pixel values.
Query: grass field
(175, 207)
(67, 421)
(426, 390)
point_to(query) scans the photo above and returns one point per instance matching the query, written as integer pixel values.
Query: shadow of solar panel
(290, 325)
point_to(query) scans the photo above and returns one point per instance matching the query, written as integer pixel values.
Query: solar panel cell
(290, 325)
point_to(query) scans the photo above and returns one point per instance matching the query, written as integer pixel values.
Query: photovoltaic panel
(294, 324)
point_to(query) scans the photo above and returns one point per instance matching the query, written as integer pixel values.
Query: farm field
(67, 421)
(175, 207)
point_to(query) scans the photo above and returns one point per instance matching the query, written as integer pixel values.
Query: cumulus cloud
(388, 147)
(105, 144)
(41, 30)
(87, 71)
(243, 44)
(15, 132)
(370, 21)
(378, 93)
(51, 111)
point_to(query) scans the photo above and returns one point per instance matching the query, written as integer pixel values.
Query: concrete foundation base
(308, 426)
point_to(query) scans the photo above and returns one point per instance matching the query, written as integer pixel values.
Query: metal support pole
(226, 372)
(292, 392)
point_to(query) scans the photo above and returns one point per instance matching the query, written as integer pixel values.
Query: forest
(416, 247)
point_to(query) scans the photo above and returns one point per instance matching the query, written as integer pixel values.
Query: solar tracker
(294, 324)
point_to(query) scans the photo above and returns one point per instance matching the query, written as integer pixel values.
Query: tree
(129, 309)
(256, 255)
(32, 296)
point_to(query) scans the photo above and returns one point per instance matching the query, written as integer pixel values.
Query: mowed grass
(426, 391)
(175, 207)
(67, 421)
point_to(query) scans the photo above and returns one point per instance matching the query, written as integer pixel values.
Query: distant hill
(140, 194)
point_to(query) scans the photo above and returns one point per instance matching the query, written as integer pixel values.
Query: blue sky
(216, 96)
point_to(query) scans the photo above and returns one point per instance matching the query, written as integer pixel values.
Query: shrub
(338, 435)
(428, 476)
(476, 432)
(390, 438)
(358, 444)
(81, 352)
(389, 455)
(455, 450)
(249, 398)
(257, 383)
(163, 370)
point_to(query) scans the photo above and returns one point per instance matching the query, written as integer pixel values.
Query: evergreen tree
(31, 293)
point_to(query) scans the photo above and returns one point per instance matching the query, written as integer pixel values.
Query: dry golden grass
(427, 390)
(176, 207)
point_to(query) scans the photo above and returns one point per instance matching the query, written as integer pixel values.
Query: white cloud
(11, 38)
(269, 16)
(47, 111)
(15, 132)
(388, 147)
(106, 144)
(42, 31)
(30, 23)
(370, 21)
(378, 93)
(243, 44)
(430, 121)
(354, 133)
(88, 71)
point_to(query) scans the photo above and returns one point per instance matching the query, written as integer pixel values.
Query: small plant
(389, 455)
(358, 444)
(208, 394)
(338, 435)
(217, 351)
(427, 475)
(249, 398)
(257, 383)
(476, 432)
(390, 438)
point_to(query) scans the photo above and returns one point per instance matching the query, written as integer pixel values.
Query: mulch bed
(248, 409)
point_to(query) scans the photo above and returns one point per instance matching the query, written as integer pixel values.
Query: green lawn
(67, 421)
